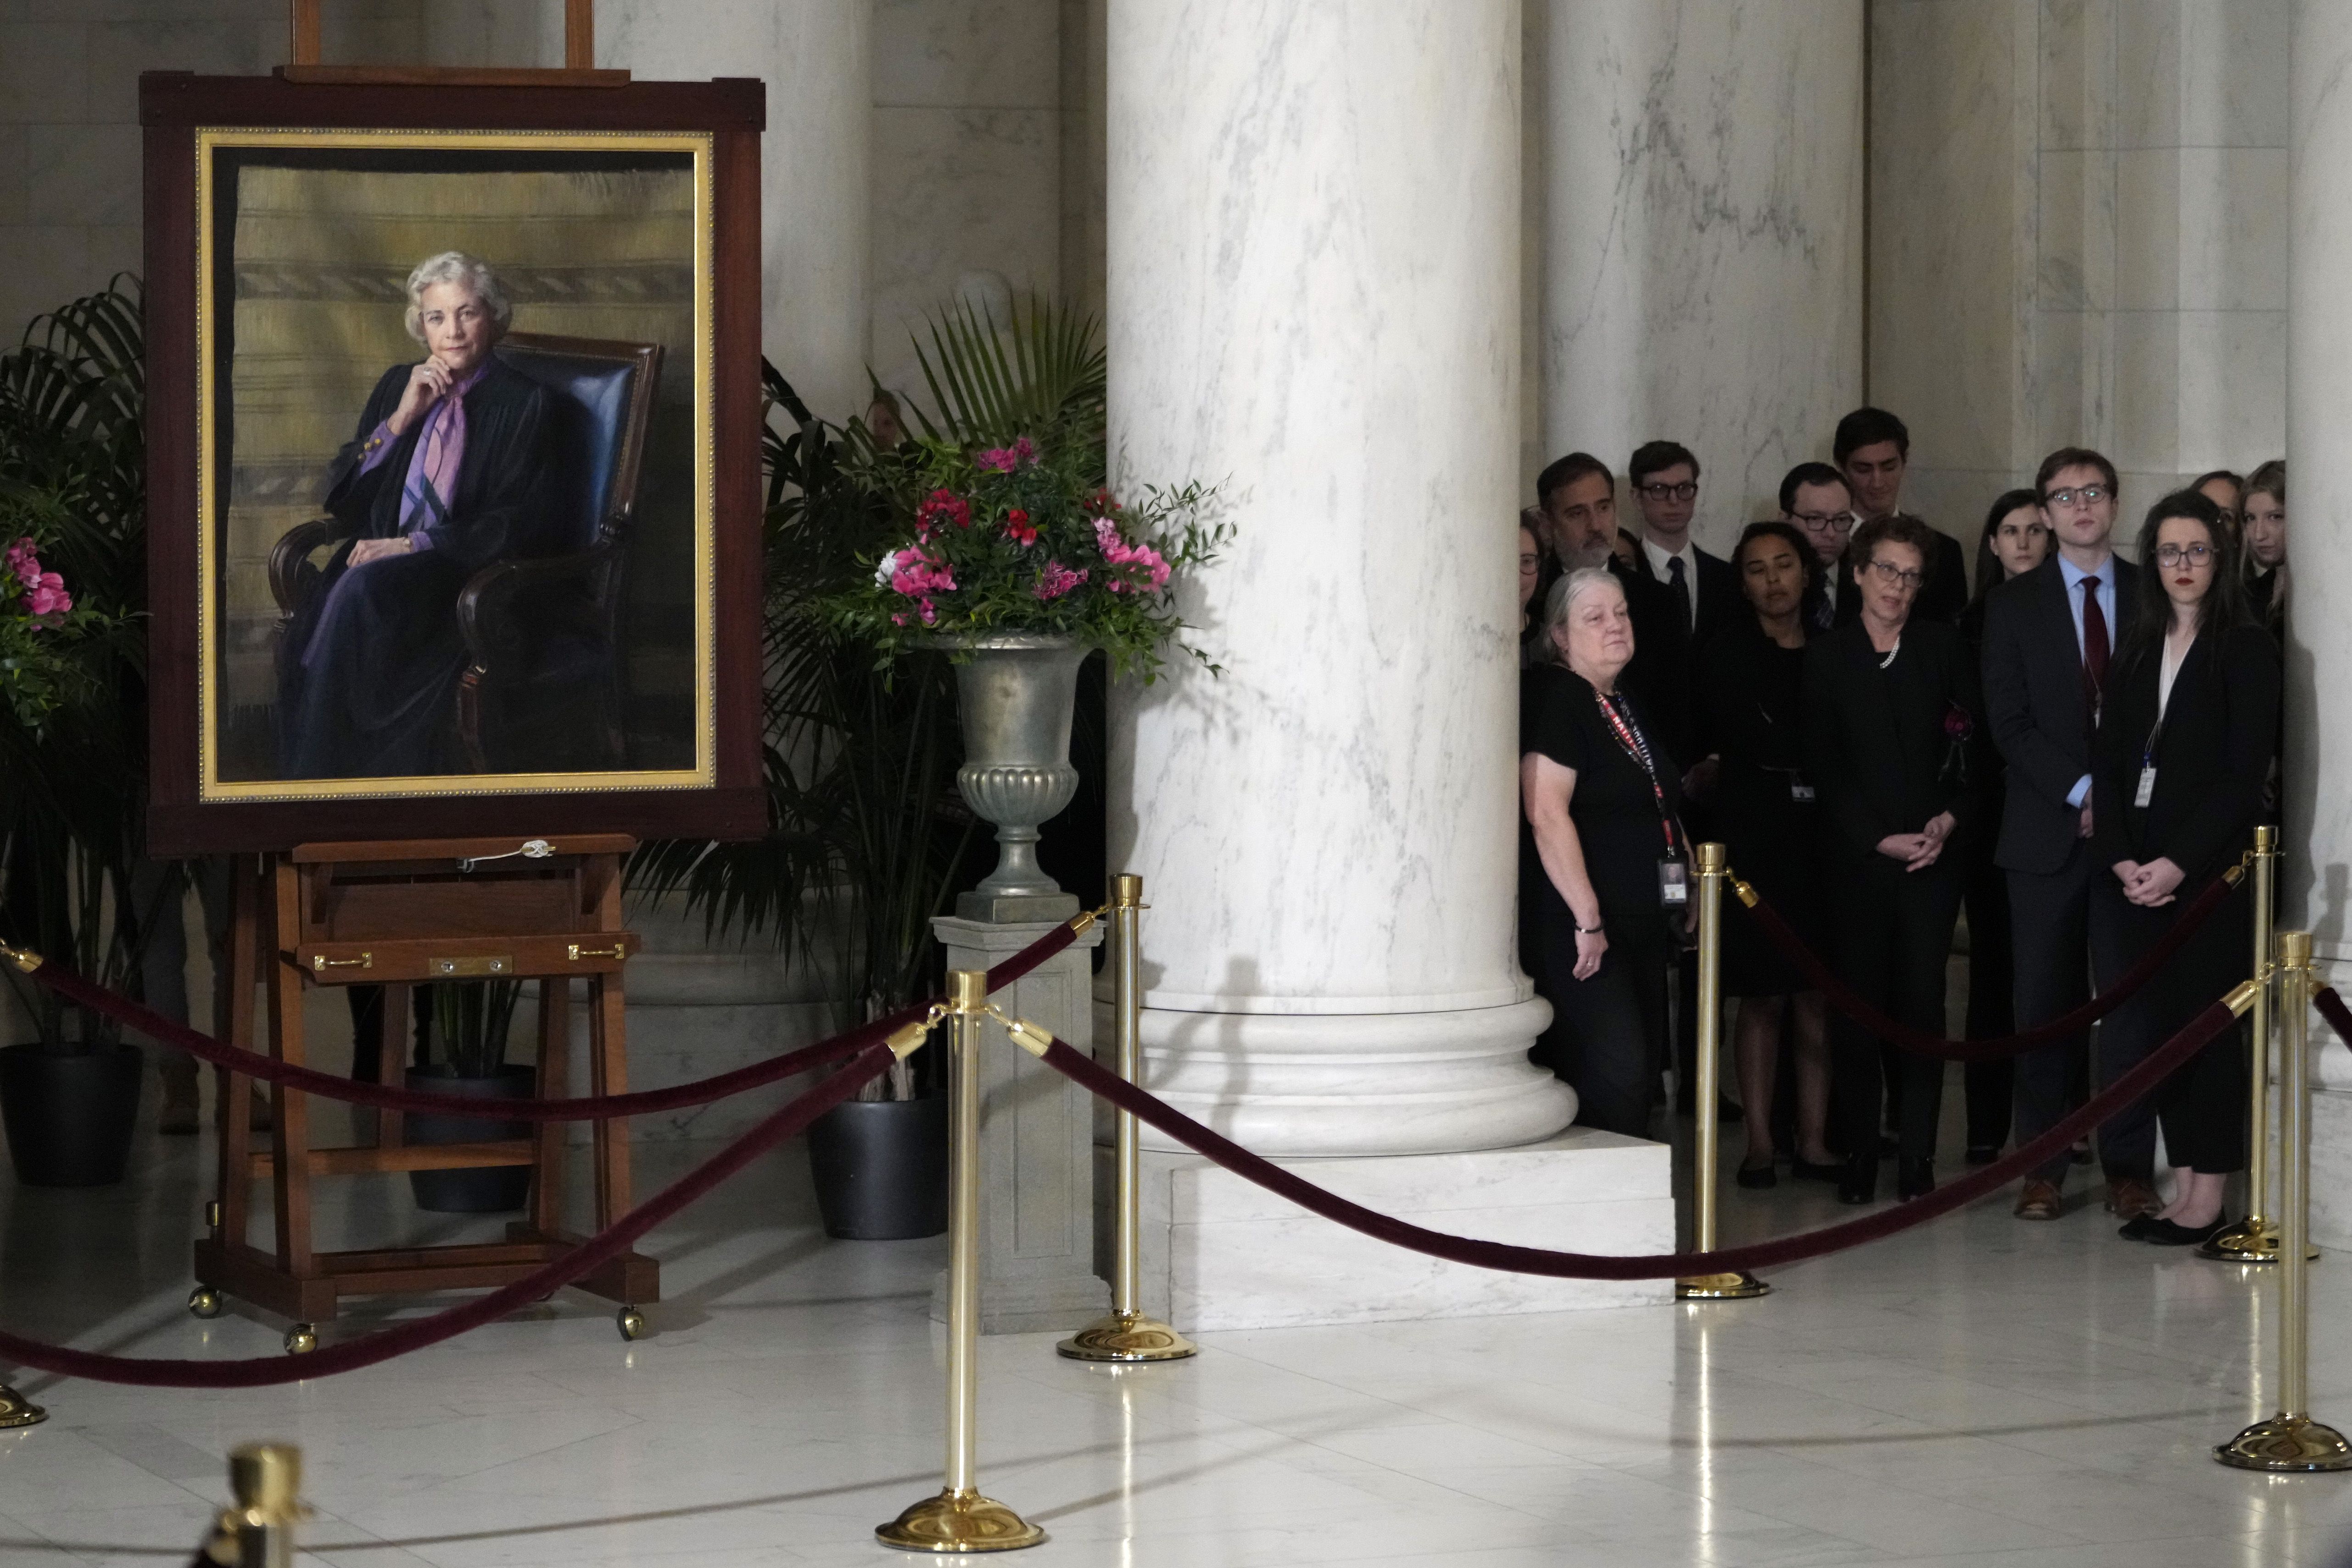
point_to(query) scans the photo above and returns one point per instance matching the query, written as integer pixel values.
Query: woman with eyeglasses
(1751, 718)
(2014, 541)
(2265, 549)
(1891, 721)
(2176, 772)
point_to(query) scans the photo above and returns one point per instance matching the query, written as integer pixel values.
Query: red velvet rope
(261, 1370)
(1843, 997)
(2331, 1008)
(2204, 1027)
(587, 1108)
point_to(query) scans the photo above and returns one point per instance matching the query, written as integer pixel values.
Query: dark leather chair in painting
(542, 689)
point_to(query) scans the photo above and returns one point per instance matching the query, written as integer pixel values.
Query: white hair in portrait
(469, 272)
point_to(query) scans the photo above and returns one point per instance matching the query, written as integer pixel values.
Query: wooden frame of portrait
(195, 808)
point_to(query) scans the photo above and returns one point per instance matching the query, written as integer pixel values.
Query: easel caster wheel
(301, 1339)
(204, 1302)
(631, 1321)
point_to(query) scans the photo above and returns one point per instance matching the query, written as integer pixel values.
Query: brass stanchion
(1127, 1334)
(1711, 874)
(2292, 1440)
(959, 1519)
(2255, 1239)
(16, 1410)
(258, 1529)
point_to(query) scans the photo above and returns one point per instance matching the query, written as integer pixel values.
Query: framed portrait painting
(452, 460)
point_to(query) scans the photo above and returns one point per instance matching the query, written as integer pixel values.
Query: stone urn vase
(1017, 694)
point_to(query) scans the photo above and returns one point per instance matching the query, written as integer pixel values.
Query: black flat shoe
(1756, 1178)
(1914, 1178)
(1983, 1153)
(1858, 1183)
(1805, 1170)
(2165, 1233)
(2140, 1227)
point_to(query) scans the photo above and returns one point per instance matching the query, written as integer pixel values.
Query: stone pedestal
(1220, 1253)
(1036, 1154)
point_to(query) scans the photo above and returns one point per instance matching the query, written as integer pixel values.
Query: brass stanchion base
(2252, 1239)
(1126, 1336)
(2288, 1443)
(1738, 1287)
(959, 1522)
(16, 1410)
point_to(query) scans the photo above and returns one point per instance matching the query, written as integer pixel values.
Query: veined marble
(1702, 226)
(1313, 303)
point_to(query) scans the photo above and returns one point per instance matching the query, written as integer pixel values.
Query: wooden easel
(398, 915)
(579, 68)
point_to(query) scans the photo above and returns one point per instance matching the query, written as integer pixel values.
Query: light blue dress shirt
(2072, 575)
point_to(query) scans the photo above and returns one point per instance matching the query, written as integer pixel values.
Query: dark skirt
(368, 675)
(1772, 848)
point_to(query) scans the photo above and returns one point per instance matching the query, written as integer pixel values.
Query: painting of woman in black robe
(447, 472)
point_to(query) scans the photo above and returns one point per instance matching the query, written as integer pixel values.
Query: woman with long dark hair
(2014, 540)
(1751, 718)
(2177, 773)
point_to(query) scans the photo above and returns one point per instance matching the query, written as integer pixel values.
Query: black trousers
(2049, 925)
(2203, 1103)
(1894, 936)
(1992, 1001)
(1608, 1033)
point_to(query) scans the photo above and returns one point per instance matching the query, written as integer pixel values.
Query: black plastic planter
(881, 1168)
(474, 1189)
(69, 1113)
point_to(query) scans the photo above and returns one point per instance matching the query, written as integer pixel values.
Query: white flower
(885, 568)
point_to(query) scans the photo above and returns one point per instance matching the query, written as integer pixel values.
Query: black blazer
(1659, 678)
(496, 513)
(1717, 604)
(2212, 756)
(2035, 708)
(1881, 745)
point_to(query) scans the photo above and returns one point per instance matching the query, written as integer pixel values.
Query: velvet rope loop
(257, 1371)
(74, 989)
(2199, 1032)
(2331, 1008)
(1844, 998)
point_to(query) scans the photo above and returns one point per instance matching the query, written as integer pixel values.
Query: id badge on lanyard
(1674, 883)
(1673, 871)
(2145, 793)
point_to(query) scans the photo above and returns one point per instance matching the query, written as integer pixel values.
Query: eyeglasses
(1529, 562)
(2174, 555)
(1894, 576)
(1686, 491)
(2088, 496)
(1836, 522)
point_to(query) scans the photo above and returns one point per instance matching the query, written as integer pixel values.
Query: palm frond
(989, 382)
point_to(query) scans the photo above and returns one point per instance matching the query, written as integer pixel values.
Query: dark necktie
(1681, 585)
(2095, 646)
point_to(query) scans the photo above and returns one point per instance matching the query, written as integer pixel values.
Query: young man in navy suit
(2050, 636)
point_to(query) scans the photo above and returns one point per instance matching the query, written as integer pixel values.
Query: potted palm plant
(467, 1026)
(73, 724)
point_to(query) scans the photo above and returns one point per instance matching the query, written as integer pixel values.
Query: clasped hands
(1919, 850)
(2151, 886)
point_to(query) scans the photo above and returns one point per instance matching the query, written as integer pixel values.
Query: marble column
(2317, 881)
(1702, 263)
(1313, 301)
(814, 161)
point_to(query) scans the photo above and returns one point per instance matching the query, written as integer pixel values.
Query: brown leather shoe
(2038, 1199)
(2128, 1199)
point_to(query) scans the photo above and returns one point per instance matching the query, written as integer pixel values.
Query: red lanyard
(1638, 750)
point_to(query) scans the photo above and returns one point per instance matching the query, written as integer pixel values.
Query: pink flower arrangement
(917, 576)
(44, 592)
(1058, 579)
(1004, 459)
(1017, 524)
(1151, 567)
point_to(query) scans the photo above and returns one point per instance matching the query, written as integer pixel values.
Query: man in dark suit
(1665, 476)
(1579, 500)
(2049, 637)
(1816, 499)
(1872, 449)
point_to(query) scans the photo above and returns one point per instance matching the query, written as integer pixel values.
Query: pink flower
(1056, 581)
(1151, 569)
(1004, 459)
(1017, 524)
(47, 595)
(917, 575)
(931, 616)
(942, 505)
(1025, 450)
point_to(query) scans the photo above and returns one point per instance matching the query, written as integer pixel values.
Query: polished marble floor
(1984, 1392)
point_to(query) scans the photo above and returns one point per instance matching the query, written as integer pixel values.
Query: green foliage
(471, 1021)
(1045, 371)
(73, 738)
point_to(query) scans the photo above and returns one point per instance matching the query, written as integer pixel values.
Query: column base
(1220, 1253)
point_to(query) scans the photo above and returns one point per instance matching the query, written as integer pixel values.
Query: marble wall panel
(1703, 236)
